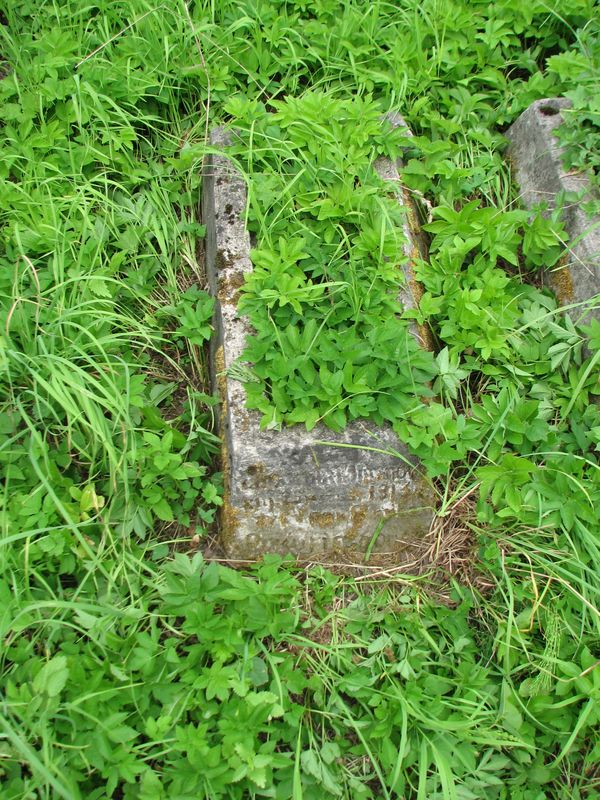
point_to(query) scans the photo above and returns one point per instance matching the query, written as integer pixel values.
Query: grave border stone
(314, 494)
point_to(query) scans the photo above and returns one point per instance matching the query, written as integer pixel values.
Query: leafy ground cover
(581, 128)
(131, 672)
(329, 343)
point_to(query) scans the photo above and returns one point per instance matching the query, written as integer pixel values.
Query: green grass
(131, 672)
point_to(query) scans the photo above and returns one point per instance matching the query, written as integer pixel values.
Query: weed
(129, 673)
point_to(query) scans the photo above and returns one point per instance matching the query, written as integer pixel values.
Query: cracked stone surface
(536, 159)
(293, 491)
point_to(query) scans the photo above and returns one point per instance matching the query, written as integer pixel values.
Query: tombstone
(285, 490)
(536, 159)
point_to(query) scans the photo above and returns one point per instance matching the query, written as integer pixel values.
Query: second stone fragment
(537, 162)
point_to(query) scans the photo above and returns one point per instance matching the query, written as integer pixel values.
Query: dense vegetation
(130, 670)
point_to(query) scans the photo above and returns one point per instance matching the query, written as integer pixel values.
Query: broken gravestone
(313, 494)
(537, 161)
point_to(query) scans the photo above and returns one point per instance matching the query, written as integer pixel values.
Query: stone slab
(536, 158)
(286, 491)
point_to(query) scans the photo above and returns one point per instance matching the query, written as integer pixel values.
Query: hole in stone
(549, 110)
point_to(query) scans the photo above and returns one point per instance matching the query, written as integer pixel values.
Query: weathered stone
(537, 163)
(290, 491)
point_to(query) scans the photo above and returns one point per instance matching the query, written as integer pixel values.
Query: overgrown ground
(131, 669)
